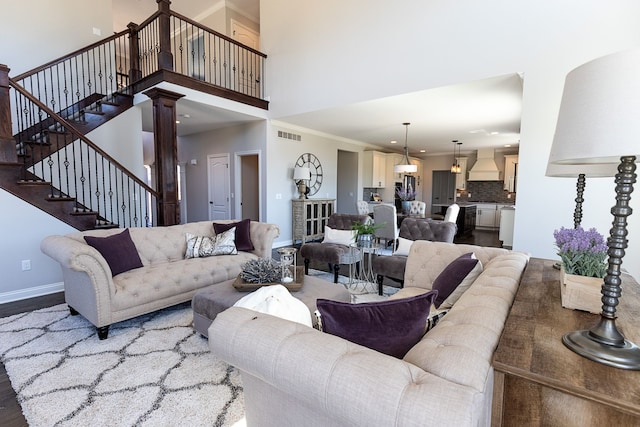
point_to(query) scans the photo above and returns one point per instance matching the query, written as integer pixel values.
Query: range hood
(485, 168)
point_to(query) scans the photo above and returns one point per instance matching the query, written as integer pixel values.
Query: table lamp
(300, 175)
(599, 123)
(580, 172)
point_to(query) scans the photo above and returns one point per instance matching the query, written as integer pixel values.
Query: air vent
(289, 135)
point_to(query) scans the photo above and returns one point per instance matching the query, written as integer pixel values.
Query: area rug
(153, 370)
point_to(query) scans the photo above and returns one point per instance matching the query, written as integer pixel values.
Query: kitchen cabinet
(510, 172)
(442, 188)
(461, 178)
(374, 169)
(486, 216)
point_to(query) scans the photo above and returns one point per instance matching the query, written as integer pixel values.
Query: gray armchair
(334, 254)
(411, 229)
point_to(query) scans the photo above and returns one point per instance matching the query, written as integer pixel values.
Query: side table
(364, 275)
(540, 382)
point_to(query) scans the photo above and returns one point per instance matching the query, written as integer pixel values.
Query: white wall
(227, 140)
(319, 58)
(22, 228)
(35, 31)
(281, 158)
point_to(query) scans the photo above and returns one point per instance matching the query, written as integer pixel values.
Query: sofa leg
(336, 269)
(306, 266)
(73, 311)
(379, 279)
(103, 332)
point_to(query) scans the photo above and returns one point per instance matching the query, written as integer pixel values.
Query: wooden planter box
(581, 292)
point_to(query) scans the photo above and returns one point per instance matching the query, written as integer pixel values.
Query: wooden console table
(540, 382)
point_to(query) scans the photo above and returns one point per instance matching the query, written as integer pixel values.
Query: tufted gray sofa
(411, 229)
(165, 279)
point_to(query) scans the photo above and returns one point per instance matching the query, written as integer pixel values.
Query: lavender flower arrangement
(405, 193)
(582, 252)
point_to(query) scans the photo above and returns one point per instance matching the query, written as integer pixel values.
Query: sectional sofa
(295, 375)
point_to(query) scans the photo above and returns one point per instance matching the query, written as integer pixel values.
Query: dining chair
(417, 208)
(362, 207)
(451, 215)
(386, 218)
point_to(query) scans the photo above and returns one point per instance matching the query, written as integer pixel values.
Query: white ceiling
(479, 114)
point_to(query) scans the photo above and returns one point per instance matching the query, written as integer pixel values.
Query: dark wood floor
(10, 412)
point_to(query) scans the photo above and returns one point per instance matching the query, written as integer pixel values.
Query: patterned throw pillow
(204, 246)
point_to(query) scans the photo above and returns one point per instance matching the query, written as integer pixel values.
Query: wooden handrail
(80, 136)
(222, 36)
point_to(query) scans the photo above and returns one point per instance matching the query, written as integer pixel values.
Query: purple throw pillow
(118, 250)
(243, 235)
(452, 275)
(390, 327)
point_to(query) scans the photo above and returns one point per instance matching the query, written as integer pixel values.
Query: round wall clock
(311, 161)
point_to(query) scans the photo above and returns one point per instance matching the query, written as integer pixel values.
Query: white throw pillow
(276, 300)
(341, 237)
(404, 246)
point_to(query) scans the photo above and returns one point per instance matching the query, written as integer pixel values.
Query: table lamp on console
(599, 124)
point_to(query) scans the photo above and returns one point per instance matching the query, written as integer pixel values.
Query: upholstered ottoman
(208, 302)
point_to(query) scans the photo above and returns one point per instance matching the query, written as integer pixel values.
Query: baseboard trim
(36, 291)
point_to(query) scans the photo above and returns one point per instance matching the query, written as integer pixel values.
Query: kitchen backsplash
(486, 191)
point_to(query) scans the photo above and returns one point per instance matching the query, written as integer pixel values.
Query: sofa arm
(262, 236)
(333, 381)
(88, 281)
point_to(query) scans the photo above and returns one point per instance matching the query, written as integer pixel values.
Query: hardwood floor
(10, 412)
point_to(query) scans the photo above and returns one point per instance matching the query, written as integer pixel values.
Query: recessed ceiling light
(394, 142)
(423, 151)
(494, 133)
(177, 122)
(507, 145)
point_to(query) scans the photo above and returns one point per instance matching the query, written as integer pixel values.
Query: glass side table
(363, 279)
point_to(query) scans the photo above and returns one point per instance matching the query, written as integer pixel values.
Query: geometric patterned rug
(153, 370)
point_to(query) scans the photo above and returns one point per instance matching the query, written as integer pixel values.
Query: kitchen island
(466, 220)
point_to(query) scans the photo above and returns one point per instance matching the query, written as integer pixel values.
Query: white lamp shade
(598, 170)
(301, 173)
(405, 168)
(599, 118)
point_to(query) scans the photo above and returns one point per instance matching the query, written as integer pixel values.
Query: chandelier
(455, 167)
(405, 167)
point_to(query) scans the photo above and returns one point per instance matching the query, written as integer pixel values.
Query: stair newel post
(165, 57)
(166, 154)
(8, 152)
(135, 73)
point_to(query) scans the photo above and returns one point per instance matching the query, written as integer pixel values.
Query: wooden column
(134, 54)
(166, 153)
(7, 142)
(165, 57)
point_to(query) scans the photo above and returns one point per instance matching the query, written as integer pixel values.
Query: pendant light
(455, 167)
(405, 167)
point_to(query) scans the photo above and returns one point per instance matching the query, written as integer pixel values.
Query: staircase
(45, 114)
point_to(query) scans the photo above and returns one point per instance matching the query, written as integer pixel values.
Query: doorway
(247, 184)
(218, 183)
(347, 177)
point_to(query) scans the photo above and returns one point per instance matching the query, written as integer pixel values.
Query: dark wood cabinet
(466, 221)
